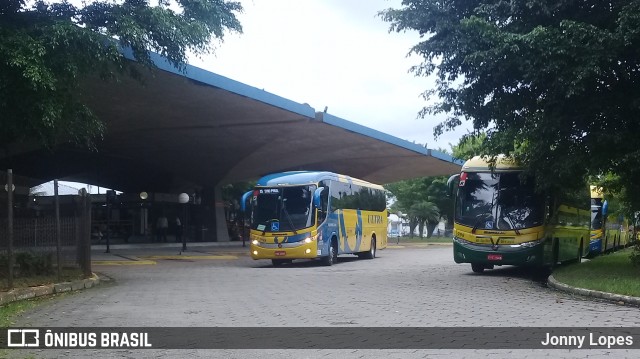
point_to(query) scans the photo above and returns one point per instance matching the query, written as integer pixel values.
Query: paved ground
(413, 286)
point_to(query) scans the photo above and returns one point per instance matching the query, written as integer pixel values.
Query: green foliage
(469, 146)
(233, 192)
(554, 84)
(635, 255)
(33, 264)
(424, 200)
(425, 213)
(48, 48)
(4, 265)
(28, 264)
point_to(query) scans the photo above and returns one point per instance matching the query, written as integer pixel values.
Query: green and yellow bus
(316, 215)
(501, 220)
(619, 232)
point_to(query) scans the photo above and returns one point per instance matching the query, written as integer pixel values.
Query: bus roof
(308, 177)
(481, 164)
(596, 192)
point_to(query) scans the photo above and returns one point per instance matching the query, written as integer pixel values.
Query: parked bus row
(609, 231)
(501, 220)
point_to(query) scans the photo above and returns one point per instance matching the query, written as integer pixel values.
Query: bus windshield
(596, 213)
(283, 209)
(498, 201)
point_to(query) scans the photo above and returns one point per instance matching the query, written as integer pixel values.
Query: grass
(9, 311)
(394, 240)
(611, 273)
(68, 274)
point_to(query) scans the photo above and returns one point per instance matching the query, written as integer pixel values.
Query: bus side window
(324, 203)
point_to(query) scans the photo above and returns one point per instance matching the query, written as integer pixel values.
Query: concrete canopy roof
(179, 130)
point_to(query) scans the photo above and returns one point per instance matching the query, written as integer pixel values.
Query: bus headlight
(254, 242)
(532, 243)
(311, 239)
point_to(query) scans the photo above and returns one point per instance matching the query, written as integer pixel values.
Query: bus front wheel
(332, 258)
(477, 267)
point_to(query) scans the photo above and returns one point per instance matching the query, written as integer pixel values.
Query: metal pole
(86, 219)
(184, 223)
(242, 228)
(108, 223)
(10, 224)
(58, 234)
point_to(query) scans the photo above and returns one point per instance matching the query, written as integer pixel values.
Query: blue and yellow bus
(316, 215)
(609, 231)
(598, 213)
(499, 219)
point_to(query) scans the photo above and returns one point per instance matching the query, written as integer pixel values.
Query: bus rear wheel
(580, 249)
(477, 267)
(371, 253)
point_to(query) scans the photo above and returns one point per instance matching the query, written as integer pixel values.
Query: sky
(333, 53)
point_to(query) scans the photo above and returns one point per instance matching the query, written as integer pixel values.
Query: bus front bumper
(595, 246)
(297, 250)
(503, 255)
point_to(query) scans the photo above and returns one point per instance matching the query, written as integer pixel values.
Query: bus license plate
(281, 253)
(494, 257)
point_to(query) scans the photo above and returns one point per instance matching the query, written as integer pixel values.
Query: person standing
(162, 224)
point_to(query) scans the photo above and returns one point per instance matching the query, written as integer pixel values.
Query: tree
(407, 194)
(469, 146)
(47, 48)
(426, 213)
(424, 200)
(555, 84)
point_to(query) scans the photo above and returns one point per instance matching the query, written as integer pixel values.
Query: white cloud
(334, 53)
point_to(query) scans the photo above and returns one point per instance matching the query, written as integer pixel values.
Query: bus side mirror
(243, 203)
(316, 197)
(450, 184)
(605, 209)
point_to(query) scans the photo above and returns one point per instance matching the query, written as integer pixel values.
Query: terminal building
(177, 140)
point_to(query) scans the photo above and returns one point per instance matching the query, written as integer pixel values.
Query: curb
(17, 294)
(618, 298)
(156, 245)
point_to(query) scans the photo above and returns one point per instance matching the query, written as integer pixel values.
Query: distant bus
(501, 220)
(609, 231)
(316, 215)
(619, 232)
(598, 213)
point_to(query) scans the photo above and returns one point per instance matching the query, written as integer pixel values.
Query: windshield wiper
(508, 216)
(479, 221)
(284, 209)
